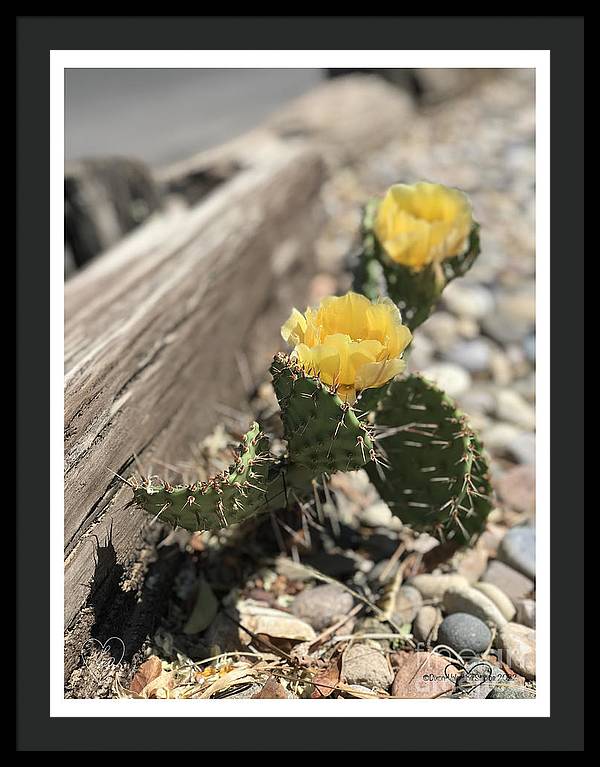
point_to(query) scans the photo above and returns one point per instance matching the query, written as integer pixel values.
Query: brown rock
(422, 675)
(516, 488)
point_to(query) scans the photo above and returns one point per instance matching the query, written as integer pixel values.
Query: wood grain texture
(151, 335)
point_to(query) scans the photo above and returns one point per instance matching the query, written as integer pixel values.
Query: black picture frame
(35, 37)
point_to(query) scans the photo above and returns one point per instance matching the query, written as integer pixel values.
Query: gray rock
(425, 627)
(470, 600)
(408, 603)
(453, 379)
(442, 329)
(510, 406)
(526, 613)
(514, 584)
(473, 355)
(518, 645)
(434, 586)
(517, 550)
(522, 448)
(366, 665)
(479, 399)
(322, 606)
(511, 692)
(499, 598)
(382, 573)
(468, 300)
(464, 633)
(529, 346)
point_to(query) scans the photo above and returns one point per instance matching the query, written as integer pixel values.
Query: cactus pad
(437, 475)
(227, 498)
(323, 433)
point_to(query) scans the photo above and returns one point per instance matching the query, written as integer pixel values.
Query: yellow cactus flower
(349, 342)
(424, 223)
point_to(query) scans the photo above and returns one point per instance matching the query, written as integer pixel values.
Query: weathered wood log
(151, 336)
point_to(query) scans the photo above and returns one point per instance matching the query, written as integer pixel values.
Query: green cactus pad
(323, 433)
(415, 292)
(230, 497)
(437, 479)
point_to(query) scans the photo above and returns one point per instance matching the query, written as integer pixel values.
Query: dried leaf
(327, 680)
(147, 672)
(272, 689)
(204, 610)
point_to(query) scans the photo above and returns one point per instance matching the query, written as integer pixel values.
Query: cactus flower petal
(349, 342)
(423, 223)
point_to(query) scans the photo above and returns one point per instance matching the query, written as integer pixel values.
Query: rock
(408, 603)
(464, 633)
(434, 586)
(499, 438)
(383, 572)
(516, 488)
(517, 550)
(421, 352)
(526, 613)
(501, 368)
(442, 329)
(322, 606)
(511, 692)
(499, 598)
(449, 377)
(514, 584)
(472, 355)
(513, 318)
(426, 624)
(275, 623)
(366, 665)
(421, 675)
(479, 399)
(522, 448)
(480, 677)
(468, 300)
(470, 600)
(510, 406)
(472, 563)
(518, 645)
(376, 515)
(529, 346)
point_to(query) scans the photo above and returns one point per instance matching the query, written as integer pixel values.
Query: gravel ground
(340, 600)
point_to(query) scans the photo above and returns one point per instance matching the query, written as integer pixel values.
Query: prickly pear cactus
(323, 433)
(227, 498)
(436, 478)
(416, 292)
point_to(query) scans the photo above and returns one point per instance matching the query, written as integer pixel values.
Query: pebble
(274, 623)
(518, 645)
(408, 603)
(499, 438)
(434, 586)
(478, 400)
(376, 515)
(421, 352)
(464, 633)
(442, 329)
(522, 448)
(470, 600)
(514, 584)
(499, 598)
(382, 572)
(529, 346)
(511, 692)
(511, 407)
(472, 563)
(421, 675)
(472, 355)
(426, 624)
(366, 665)
(465, 300)
(322, 606)
(453, 379)
(517, 549)
(526, 613)
(516, 488)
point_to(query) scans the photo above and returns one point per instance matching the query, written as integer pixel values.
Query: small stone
(442, 329)
(408, 603)
(421, 352)
(274, 623)
(470, 600)
(514, 584)
(434, 586)
(526, 613)
(322, 606)
(449, 377)
(472, 355)
(529, 346)
(499, 598)
(511, 692)
(425, 627)
(516, 488)
(474, 301)
(472, 563)
(376, 515)
(522, 448)
(366, 665)
(464, 633)
(499, 438)
(518, 645)
(421, 675)
(383, 572)
(478, 399)
(510, 406)
(517, 550)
